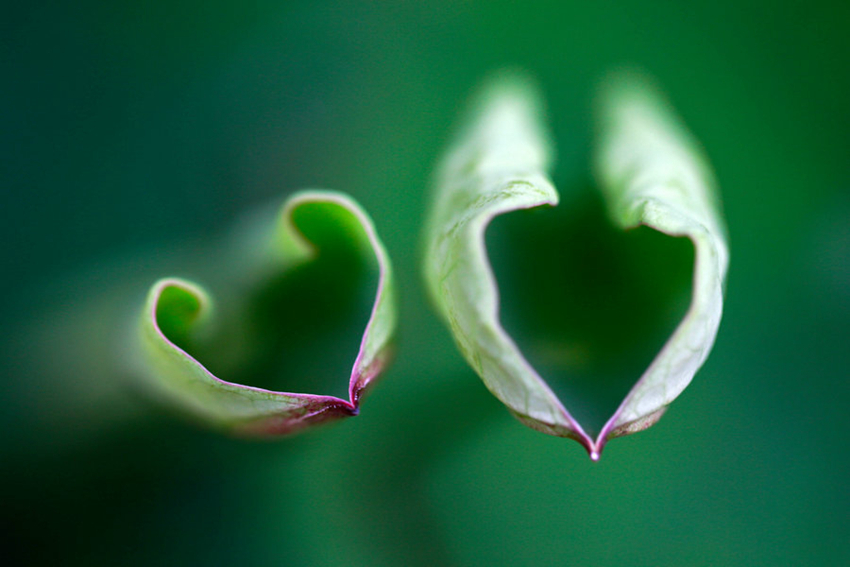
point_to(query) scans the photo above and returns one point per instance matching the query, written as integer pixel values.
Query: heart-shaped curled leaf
(651, 174)
(312, 226)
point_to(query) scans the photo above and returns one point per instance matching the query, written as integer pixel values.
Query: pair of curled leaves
(318, 242)
(651, 174)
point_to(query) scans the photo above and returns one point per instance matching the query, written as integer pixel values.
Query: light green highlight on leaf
(651, 173)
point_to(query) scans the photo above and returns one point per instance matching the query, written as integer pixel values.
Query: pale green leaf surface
(176, 311)
(651, 174)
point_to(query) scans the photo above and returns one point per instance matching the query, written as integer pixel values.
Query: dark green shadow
(589, 305)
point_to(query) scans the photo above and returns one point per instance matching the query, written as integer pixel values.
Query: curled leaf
(314, 228)
(651, 174)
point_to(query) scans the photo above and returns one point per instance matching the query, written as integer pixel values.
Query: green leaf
(314, 228)
(651, 173)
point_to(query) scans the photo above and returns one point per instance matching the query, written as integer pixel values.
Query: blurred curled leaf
(651, 173)
(285, 280)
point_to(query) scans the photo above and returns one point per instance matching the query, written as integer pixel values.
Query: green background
(127, 127)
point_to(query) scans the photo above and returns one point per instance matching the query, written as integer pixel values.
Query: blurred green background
(131, 127)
